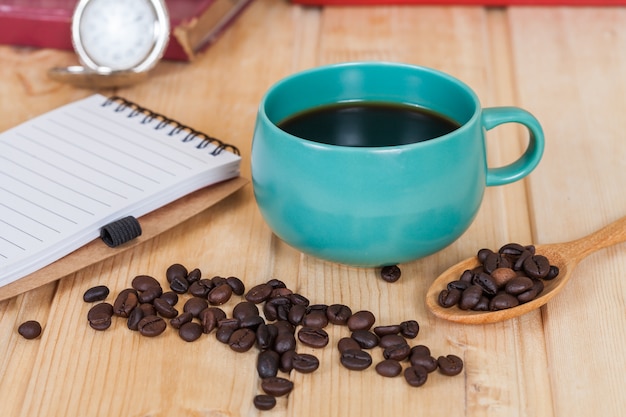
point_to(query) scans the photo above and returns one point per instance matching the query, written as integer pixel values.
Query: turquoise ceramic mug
(378, 205)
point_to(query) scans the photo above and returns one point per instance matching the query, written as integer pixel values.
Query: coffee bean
(355, 360)
(315, 318)
(482, 305)
(494, 261)
(170, 297)
(201, 288)
(409, 329)
(194, 276)
(225, 329)
(305, 363)
(513, 249)
(277, 308)
(346, 343)
(299, 299)
(390, 273)
(389, 368)
(195, 305)
(398, 352)
(150, 294)
(151, 326)
(276, 386)
(338, 314)
(285, 341)
(264, 402)
(484, 281)
(134, 318)
(190, 331)
(449, 297)
(518, 265)
(387, 330)
(365, 338)
(280, 292)
(552, 273)
(391, 340)
(467, 276)
(209, 318)
(265, 335)
(537, 266)
(148, 309)
(420, 350)
(285, 327)
(181, 319)
(237, 285)
(416, 376)
(251, 322)
(503, 275)
(267, 363)
(220, 294)
(218, 280)
(99, 316)
(518, 285)
(259, 293)
(97, 293)
(527, 295)
(179, 285)
(482, 254)
(361, 320)
(501, 301)
(313, 337)
(459, 284)
(296, 314)
(450, 365)
(242, 340)
(125, 302)
(245, 309)
(286, 361)
(175, 271)
(428, 362)
(144, 282)
(164, 309)
(470, 297)
(30, 329)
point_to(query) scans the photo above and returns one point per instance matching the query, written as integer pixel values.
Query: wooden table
(565, 65)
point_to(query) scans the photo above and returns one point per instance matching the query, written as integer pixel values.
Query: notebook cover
(152, 224)
(47, 24)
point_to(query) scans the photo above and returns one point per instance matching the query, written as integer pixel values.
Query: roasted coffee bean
(538, 286)
(220, 294)
(200, 288)
(264, 402)
(144, 282)
(286, 361)
(449, 298)
(225, 328)
(296, 314)
(299, 299)
(338, 314)
(428, 362)
(482, 305)
(125, 302)
(482, 254)
(537, 266)
(276, 283)
(150, 294)
(317, 307)
(170, 297)
(552, 273)
(194, 276)
(390, 273)
(313, 337)
(459, 285)
(470, 297)
(209, 318)
(305, 363)
(97, 293)
(245, 309)
(285, 327)
(518, 285)
(346, 343)
(164, 309)
(267, 363)
(365, 339)
(391, 340)
(513, 249)
(175, 271)
(409, 329)
(134, 318)
(527, 295)
(518, 265)
(242, 340)
(179, 285)
(281, 292)
(361, 320)
(450, 365)
(190, 331)
(218, 280)
(484, 281)
(151, 326)
(494, 261)
(181, 319)
(237, 285)
(195, 305)
(389, 368)
(467, 276)
(277, 308)
(265, 335)
(398, 352)
(503, 300)
(148, 309)
(355, 359)
(420, 350)
(284, 341)
(259, 293)
(503, 275)
(30, 329)
(387, 330)
(251, 322)
(415, 376)
(315, 318)
(276, 386)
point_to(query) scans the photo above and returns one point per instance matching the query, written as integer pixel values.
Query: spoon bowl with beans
(565, 256)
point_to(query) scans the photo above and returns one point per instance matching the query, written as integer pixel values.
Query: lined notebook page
(67, 173)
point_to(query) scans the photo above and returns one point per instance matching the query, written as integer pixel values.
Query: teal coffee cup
(376, 190)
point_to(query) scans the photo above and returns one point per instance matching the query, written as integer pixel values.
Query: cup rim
(338, 66)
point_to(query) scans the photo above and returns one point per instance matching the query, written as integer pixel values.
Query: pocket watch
(117, 41)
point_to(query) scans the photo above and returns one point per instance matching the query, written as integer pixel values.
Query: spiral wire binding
(149, 116)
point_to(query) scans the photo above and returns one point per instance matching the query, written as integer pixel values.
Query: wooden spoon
(564, 255)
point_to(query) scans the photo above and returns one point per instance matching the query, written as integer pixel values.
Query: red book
(195, 24)
(462, 2)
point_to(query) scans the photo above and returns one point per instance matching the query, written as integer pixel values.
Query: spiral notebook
(69, 172)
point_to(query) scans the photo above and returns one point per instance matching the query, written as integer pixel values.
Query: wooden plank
(569, 66)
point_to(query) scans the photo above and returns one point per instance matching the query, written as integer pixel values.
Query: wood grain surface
(565, 65)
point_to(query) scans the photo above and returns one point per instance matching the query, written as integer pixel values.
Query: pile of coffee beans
(504, 279)
(269, 317)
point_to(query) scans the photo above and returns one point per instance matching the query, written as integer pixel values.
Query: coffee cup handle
(494, 116)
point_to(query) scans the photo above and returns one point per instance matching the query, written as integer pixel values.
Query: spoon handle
(609, 235)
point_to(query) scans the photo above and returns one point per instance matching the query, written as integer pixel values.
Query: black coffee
(368, 124)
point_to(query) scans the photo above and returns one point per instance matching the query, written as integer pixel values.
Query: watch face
(120, 34)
